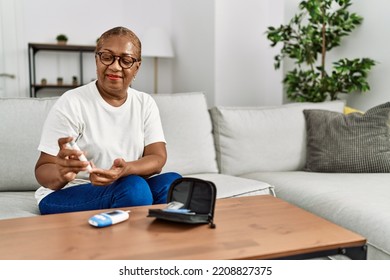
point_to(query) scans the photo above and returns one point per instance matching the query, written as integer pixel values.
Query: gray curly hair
(120, 31)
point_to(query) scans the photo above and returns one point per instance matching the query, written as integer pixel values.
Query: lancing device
(72, 145)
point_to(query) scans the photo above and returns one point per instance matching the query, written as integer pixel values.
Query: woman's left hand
(103, 177)
(152, 162)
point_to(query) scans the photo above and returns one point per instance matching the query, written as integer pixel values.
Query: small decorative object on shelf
(62, 39)
(75, 82)
(43, 82)
(60, 81)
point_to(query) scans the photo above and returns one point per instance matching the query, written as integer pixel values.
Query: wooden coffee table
(256, 227)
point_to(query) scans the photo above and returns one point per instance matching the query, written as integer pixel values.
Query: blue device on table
(108, 218)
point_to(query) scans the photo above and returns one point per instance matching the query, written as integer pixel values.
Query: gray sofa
(244, 151)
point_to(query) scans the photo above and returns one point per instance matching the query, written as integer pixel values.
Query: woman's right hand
(55, 172)
(67, 160)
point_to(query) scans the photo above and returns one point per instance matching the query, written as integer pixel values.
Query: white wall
(220, 46)
(12, 59)
(222, 51)
(193, 31)
(244, 66)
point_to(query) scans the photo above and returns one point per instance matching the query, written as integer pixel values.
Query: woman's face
(114, 80)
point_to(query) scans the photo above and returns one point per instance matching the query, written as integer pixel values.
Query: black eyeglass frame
(115, 57)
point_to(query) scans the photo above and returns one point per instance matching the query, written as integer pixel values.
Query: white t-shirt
(107, 132)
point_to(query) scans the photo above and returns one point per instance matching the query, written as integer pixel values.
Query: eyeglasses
(124, 61)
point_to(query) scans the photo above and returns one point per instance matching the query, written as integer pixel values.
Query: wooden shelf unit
(34, 48)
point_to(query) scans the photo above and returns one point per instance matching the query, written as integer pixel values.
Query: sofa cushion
(18, 204)
(188, 132)
(353, 143)
(231, 186)
(358, 202)
(20, 130)
(263, 138)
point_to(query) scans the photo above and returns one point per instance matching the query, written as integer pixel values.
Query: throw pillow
(353, 143)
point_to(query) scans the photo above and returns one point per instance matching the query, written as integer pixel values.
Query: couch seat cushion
(18, 204)
(230, 186)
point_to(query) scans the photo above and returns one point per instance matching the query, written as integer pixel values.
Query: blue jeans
(128, 191)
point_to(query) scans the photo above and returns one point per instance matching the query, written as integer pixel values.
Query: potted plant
(60, 81)
(62, 39)
(307, 38)
(75, 81)
(43, 81)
